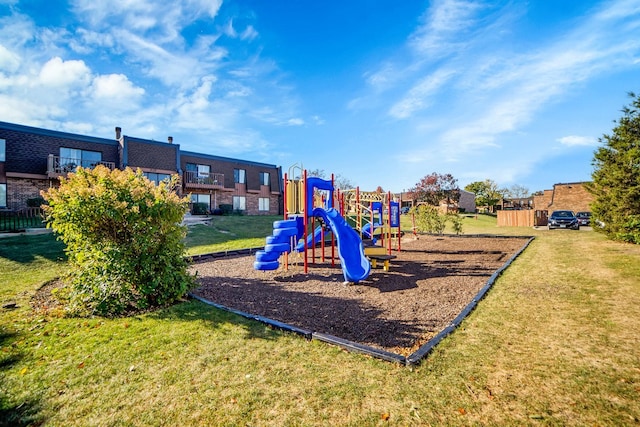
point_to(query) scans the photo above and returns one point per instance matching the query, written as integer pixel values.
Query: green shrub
(123, 239)
(429, 219)
(630, 230)
(226, 209)
(456, 222)
(200, 209)
(35, 202)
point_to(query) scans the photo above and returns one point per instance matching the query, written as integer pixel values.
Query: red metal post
(305, 220)
(388, 221)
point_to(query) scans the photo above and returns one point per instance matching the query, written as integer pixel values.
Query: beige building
(572, 196)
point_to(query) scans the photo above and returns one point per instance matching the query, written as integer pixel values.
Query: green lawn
(229, 233)
(555, 342)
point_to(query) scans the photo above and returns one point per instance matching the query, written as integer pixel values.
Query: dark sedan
(584, 218)
(563, 219)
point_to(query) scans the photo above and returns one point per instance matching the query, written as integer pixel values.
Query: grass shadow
(12, 413)
(21, 415)
(25, 249)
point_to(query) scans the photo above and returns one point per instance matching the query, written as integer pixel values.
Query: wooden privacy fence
(516, 218)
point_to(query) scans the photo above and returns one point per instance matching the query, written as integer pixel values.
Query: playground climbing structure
(309, 216)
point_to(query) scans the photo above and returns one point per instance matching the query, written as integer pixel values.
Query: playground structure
(377, 216)
(360, 221)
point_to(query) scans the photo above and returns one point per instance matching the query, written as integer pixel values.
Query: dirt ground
(429, 283)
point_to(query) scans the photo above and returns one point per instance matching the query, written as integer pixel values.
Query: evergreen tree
(616, 178)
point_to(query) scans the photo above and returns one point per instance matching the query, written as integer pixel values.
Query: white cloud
(445, 24)
(81, 128)
(171, 67)
(575, 140)
(16, 30)
(164, 19)
(493, 92)
(85, 42)
(57, 72)
(249, 33)
(295, 122)
(382, 79)
(19, 110)
(116, 87)
(9, 61)
(198, 101)
(228, 30)
(148, 36)
(418, 97)
(239, 90)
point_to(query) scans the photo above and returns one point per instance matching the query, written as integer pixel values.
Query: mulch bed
(430, 282)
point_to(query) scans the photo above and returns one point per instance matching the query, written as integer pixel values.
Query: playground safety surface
(430, 283)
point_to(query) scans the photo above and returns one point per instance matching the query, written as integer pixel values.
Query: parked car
(584, 218)
(405, 210)
(563, 219)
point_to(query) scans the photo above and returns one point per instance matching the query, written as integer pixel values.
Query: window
(239, 176)
(3, 150)
(201, 198)
(200, 204)
(264, 178)
(70, 158)
(263, 204)
(198, 173)
(239, 203)
(204, 171)
(3, 195)
(157, 177)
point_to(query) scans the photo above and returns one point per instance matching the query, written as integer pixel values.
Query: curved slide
(355, 265)
(316, 237)
(366, 230)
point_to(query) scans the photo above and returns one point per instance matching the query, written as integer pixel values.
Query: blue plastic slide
(316, 237)
(355, 265)
(366, 230)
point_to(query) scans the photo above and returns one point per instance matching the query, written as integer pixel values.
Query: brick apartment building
(32, 159)
(571, 196)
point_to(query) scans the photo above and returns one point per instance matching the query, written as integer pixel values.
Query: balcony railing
(193, 179)
(57, 165)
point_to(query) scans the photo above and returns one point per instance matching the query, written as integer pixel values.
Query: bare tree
(339, 182)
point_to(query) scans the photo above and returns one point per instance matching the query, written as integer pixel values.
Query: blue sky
(379, 92)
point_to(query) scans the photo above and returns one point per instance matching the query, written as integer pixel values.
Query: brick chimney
(170, 139)
(118, 132)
